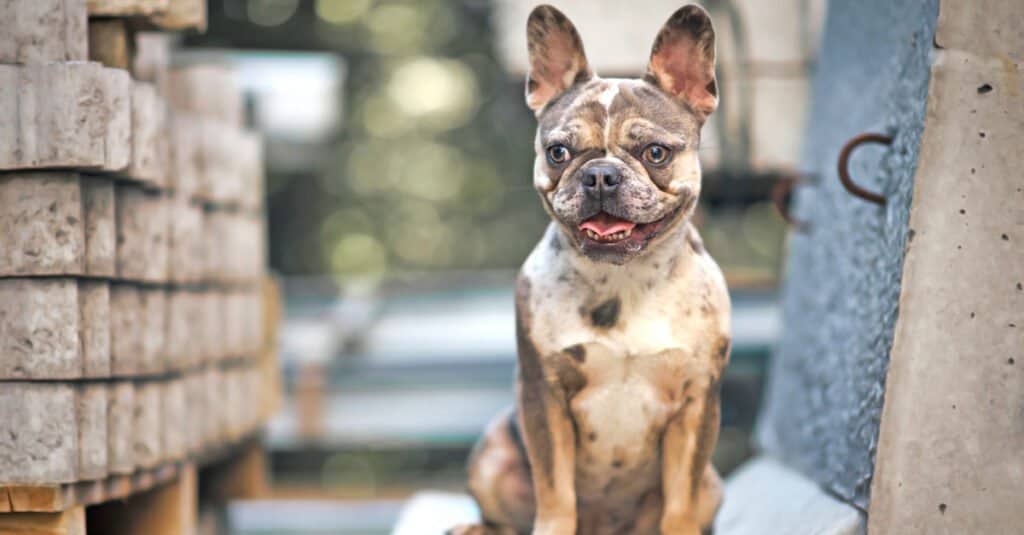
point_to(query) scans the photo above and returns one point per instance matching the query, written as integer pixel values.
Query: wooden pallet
(160, 501)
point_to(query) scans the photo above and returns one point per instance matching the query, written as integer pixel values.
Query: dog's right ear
(557, 60)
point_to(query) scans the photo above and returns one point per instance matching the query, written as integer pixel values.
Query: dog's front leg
(547, 429)
(550, 446)
(688, 482)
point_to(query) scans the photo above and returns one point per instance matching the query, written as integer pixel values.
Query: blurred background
(399, 164)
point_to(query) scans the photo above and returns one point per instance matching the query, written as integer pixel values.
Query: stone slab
(186, 153)
(127, 328)
(949, 456)
(174, 420)
(43, 31)
(210, 91)
(39, 440)
(93, 400)
(214, 323)
(100, 226)
(126, 8)
(150, 163)
(252, 169)
(186, 247)
(39, 329)
(41, 224)
(141, 234)
(435, 512)
(54, 328)
(153, 359)
(94, 321)
(764, 496)
(65, 115)
(183, 346)
(121, 427)
(182, 15)
(195, 404)
(147, 438)
(840, 299)
(152, 57)
(217, 401)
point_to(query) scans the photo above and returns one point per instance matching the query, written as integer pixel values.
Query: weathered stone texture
(100, 226)
(43, 31)
(186, 255)
(38, 433)
(141, 234)
(147, 436)
(174, 441)
(198, 410)
(841, 291)
(210, 91)
(94, 315)
(41, 230)
(186, 153)
(39, 329)
(154, 324)
(64, 115)
(214, 318)
(92, 430)
(127, 329)
(152, 57)
(126, 8)
(150, 144)
(182, 15)
(121, 427)
(183, 348)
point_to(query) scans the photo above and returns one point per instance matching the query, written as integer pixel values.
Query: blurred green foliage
(433, 166)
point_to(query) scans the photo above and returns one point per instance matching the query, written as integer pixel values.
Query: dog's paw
(480, 529)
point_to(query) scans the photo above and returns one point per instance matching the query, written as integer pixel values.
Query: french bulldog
(622, 316)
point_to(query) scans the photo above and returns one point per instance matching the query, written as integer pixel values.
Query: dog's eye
(656, 154)
(558, 154)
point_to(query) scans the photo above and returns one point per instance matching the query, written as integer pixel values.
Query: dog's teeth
(627, 233)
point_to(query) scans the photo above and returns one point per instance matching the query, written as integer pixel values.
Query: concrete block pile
(132, 245)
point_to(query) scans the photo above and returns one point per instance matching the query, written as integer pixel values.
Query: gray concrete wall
(842, 284)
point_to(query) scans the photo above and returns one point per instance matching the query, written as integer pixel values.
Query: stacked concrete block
(131, 246)
(54, 328)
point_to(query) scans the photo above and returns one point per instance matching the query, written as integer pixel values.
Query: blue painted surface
(842, 284)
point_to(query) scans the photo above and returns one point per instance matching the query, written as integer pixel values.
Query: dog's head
(616, 159)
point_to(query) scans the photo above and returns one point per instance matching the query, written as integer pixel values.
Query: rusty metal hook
(844, 160)
(780, 191)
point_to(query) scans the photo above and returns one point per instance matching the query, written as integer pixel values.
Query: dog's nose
(601, 178)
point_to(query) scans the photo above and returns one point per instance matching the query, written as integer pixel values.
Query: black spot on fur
(606, 314)
(722, 349)
(942, 508)
(984, 88)
(616, 463)
(577, 352)
(555, 243)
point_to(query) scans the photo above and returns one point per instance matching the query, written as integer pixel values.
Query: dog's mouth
(607, 231)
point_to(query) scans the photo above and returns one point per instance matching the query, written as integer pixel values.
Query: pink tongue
(604, 224)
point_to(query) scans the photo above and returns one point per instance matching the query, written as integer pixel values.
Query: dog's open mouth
(606, 229)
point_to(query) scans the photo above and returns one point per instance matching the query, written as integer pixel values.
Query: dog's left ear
(683, 59)
(557, 60)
